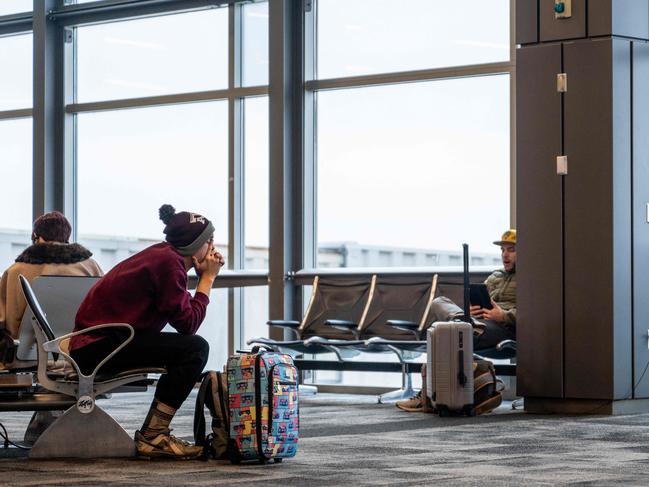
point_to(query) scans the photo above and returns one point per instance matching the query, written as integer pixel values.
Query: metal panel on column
(640, 217)
(527, 22)
(539, 268)
(560, 29)
(597, 219)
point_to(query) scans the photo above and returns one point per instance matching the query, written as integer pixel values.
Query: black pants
(494, 333)
(443, 309)
(184, 357)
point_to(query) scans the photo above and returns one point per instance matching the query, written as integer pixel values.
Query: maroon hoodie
(147, 291)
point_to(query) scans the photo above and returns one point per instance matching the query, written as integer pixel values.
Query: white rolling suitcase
(449, 378)
(449, 375)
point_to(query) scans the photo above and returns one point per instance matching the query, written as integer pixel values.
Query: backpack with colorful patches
(263, 400)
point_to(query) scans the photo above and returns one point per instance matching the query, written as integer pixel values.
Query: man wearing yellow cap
(493, 325)
(502, 290)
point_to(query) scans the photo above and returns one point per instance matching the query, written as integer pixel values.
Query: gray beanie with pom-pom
(186, 231)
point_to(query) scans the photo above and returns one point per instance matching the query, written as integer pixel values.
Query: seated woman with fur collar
(50, 254)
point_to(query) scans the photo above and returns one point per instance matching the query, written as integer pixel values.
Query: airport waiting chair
(61, 296)
(396, 321)
(84, 430)
(334, 301)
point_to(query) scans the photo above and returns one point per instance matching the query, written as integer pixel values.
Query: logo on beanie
(196, 218)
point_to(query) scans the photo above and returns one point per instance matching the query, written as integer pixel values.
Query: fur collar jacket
(46, 259)
(54, 253)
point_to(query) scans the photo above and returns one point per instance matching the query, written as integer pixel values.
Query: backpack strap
(220, 387)
(199, 413)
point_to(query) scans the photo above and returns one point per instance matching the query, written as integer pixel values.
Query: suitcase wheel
(469, 411)
(263, 461)
(444, 413)
(278, 460)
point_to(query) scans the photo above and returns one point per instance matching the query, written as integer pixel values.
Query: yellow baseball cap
(509, 237)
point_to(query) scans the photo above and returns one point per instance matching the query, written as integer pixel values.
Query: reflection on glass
(256, 182)
(408, 172)
(255, 314)
(8, 7)
(153, 56)
(16, 72)
(255, 44)
(357, 37)
(130, 162)
(16, 193)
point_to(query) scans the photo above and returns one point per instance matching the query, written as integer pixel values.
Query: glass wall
(256, 182)
(410, 137)
(8, 7)
(16, 64)
(400, 156)
(396, 152)
(15, 139)
(361, 37)
(153, 56)
(130, 162)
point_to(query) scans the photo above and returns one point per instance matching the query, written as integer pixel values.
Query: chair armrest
(403, 325)
(290, 324)
(506, 345)
(55, 345)
(344, 325)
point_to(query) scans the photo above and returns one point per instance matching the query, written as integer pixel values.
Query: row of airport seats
(380, 314)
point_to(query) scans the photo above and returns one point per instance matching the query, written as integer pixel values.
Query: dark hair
(52, 227)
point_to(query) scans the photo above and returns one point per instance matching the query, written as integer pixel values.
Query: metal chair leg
(405, 392)
(77, 435)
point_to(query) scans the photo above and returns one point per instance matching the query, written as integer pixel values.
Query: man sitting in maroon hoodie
(147, 291)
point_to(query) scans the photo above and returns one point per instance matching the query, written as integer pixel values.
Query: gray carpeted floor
(351, 440)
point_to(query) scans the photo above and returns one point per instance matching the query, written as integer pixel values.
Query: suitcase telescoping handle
(461, 376)
(256, 349)
(467, 287)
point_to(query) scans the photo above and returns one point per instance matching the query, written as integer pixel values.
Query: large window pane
(154, 56)
(255, 313)
(16, 72)
(8, 7)
(256, 182)
(16, 193)
(358, 37)
(130, 162)
(255, 44)
(215, 329)
(408, 172)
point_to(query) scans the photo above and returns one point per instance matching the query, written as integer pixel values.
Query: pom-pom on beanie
(186, 231)
(53, 227)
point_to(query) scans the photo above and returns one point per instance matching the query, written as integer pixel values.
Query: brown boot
(427, 406)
